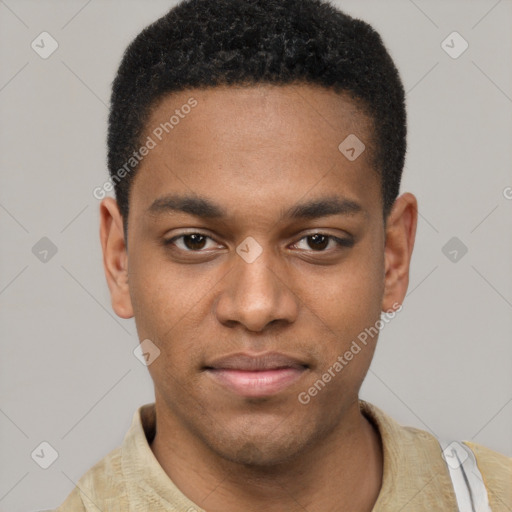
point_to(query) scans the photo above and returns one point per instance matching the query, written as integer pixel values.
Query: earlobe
(115, 257)
(400, 237)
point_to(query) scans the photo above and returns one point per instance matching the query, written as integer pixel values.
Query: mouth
(256, 375)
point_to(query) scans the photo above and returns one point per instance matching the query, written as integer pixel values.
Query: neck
(340, 472)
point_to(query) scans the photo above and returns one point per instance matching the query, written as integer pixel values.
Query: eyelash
(341, 242)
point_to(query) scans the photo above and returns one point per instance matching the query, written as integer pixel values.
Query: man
(256, 148)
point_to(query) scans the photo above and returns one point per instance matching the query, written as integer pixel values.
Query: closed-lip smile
(256, 375)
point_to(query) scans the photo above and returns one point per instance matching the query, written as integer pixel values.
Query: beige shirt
(415, 477)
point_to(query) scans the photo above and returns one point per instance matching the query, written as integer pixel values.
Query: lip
(256, 375)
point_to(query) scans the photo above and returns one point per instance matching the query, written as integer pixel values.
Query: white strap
(467, 480)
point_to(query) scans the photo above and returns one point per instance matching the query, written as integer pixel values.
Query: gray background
(67, 372)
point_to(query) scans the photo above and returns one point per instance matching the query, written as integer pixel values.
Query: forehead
(233, 112)
(261, 143)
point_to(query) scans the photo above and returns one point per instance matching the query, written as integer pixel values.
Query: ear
(115, 257)
(400, 236)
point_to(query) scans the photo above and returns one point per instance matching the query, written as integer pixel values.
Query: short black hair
(208, 43)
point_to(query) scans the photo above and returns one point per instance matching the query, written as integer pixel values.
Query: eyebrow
(198, 206)
(323, 207)
(205, 208)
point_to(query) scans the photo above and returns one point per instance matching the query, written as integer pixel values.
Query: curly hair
(206, 43)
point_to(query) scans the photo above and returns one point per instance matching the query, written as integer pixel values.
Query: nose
(256, 294)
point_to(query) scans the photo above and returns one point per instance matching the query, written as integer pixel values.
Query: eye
(190, 242)
(315, 242)
(319, 242)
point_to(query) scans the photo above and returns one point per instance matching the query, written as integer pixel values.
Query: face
(256, 255)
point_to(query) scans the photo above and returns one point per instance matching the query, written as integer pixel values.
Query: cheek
(349, 296)
(170, 309)
(347, 305)
(161, 293)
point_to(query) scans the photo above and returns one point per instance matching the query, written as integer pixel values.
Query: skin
(256, 152)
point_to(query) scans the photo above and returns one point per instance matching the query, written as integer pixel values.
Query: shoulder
(417, 472)
(496, 470)
(98, 486)
(490, 461)
(72, 503)
(113, 481)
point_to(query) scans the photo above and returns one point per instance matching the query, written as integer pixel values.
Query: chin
(264, 447)
(260, 454)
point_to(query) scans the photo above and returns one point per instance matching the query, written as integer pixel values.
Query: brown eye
(190, 242)
(194, 241)
(321, 242)
(318, 242)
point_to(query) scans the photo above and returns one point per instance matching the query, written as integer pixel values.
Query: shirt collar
(414, 473)
(415, 476)
(147, 482)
